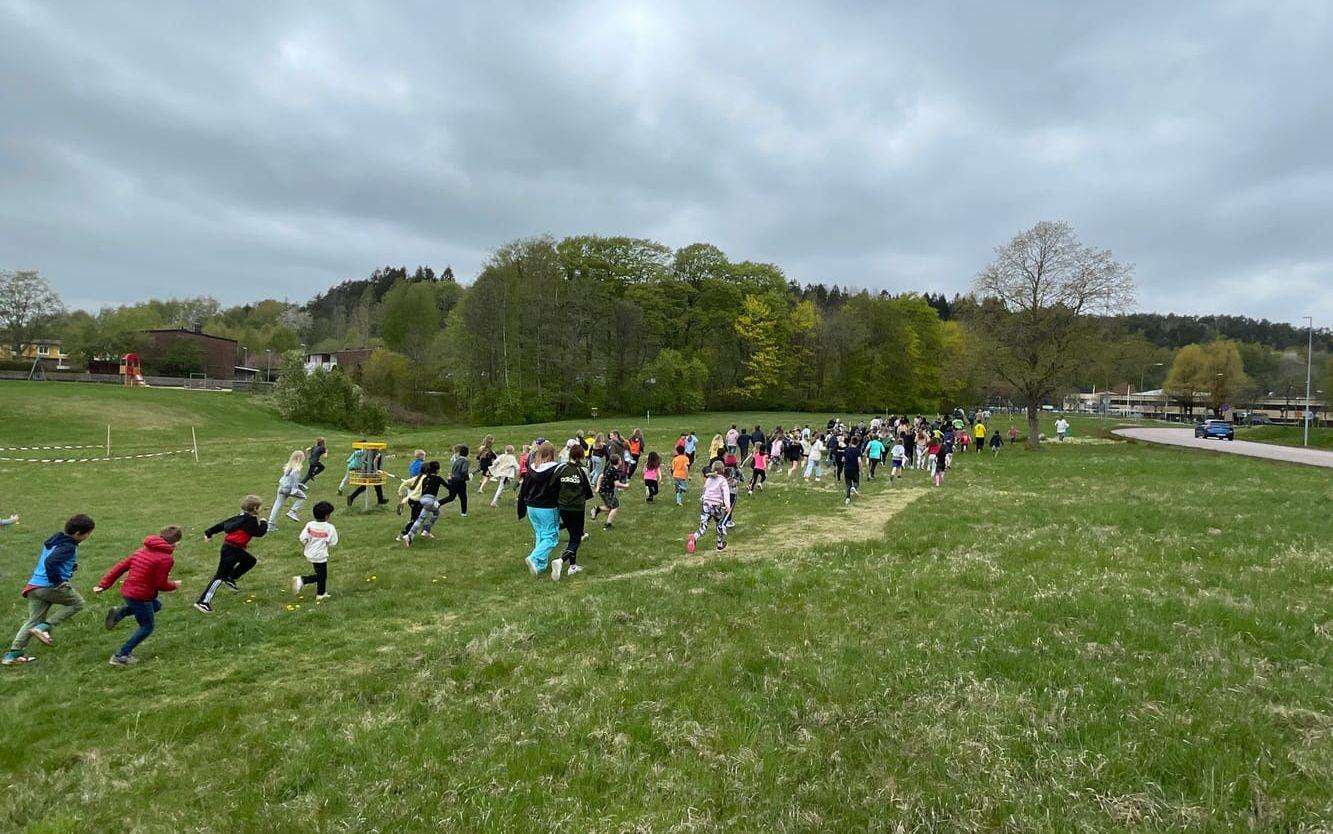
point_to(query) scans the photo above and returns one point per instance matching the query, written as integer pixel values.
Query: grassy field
(1103, 635)
(1320, 438)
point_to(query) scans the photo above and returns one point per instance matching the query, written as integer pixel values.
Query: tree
(1187, 376)
(183, 358)
(1045, 289)
(757, 327)
(26, 303)
(1214, 369)
(411, 319)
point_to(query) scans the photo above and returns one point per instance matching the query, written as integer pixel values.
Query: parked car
(1215, 428)
(1258, 420)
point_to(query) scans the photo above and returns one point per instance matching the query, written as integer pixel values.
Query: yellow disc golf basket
(368, 474)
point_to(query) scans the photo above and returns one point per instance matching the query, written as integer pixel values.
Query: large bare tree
(1040, 300)
(26, 301)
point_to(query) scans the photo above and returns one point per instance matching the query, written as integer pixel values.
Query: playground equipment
(130, 373)
(368, 474)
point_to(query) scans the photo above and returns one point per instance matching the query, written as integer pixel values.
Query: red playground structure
(130, 372)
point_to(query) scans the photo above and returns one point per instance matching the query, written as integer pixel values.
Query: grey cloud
(249, 150)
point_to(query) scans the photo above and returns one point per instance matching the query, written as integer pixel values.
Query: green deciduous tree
(27, 303)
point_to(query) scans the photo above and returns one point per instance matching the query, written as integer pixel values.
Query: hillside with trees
(553, 328)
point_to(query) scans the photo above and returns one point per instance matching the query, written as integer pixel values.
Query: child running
(289, 486)
(428, 503)
(759, 464)
(317, 536)
(149, 570)
(652, 474)
(899, 457)
(235, 560)
(49, 588)
(316, 466)
(851, 467)
(735, 477)
(571, 502)
(458, 477)
(354, 461)
(940, 456)
(680, 474)
(504, 470)
(485, 460)
(875, 454)
(613, 478)
(714, 508)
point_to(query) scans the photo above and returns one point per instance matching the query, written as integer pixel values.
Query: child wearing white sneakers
(317, 536)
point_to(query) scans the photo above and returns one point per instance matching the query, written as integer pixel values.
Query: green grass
(1320, 438)
(1101, 635)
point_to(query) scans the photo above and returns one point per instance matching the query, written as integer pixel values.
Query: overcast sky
(251, 150)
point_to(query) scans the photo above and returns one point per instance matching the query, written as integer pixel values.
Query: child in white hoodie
(715, 507)
(317, 536)
(504, 469)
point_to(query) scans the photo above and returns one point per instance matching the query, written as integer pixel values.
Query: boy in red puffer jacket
(149, 572)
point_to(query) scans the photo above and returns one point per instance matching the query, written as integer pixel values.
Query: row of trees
(554, 328)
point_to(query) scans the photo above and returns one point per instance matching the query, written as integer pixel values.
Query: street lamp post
(1309, 357)
(1144, 372)
(268, 364)
(245, 356)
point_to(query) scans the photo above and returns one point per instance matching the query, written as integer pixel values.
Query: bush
(326, 397)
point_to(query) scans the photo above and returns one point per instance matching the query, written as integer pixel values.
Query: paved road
(1185, 437)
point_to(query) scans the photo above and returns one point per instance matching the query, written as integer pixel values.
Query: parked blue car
(1215, 428)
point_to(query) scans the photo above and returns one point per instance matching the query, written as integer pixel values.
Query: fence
(239, 385)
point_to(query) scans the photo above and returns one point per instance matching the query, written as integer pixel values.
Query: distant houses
(348, 361)
(46, 350)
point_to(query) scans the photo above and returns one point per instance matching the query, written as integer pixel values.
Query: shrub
(326, 397)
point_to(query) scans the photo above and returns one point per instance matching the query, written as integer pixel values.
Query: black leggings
(759, 476)
(416, 511)
(319, 578)
(572, 520)
(315, 469)
(874, 462)
(652, 489)
(457, 489)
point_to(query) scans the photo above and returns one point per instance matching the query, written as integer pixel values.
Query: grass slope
(1101, 635)
(1320, 438)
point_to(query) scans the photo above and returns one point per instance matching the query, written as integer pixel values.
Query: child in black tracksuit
(235, 561)
(575, 490)
(457, 482)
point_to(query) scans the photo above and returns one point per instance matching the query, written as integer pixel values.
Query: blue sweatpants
(545, 523)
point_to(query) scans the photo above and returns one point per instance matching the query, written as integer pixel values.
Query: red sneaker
(689, 543)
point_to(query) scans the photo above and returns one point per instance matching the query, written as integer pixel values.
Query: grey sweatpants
(65, 600)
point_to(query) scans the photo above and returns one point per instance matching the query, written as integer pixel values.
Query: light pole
(245, 356)
(1309, 357)
(268, 364)
(1221, 385)
(1144, 372)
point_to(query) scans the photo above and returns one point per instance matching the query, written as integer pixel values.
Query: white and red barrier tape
(95, 460)
(43, 448)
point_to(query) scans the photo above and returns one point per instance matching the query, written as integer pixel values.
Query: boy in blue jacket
(49, 588)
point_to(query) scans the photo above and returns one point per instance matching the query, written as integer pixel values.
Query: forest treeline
(553, 328)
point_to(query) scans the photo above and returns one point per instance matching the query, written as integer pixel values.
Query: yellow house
(48, 350)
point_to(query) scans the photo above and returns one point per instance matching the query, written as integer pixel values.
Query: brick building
(218, 352)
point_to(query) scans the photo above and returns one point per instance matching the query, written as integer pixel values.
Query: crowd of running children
(553, 486)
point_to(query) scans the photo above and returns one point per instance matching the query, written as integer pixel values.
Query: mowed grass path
(1102, 635)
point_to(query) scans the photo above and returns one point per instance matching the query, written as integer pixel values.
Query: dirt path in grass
(1248, 448)
(863, 520)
